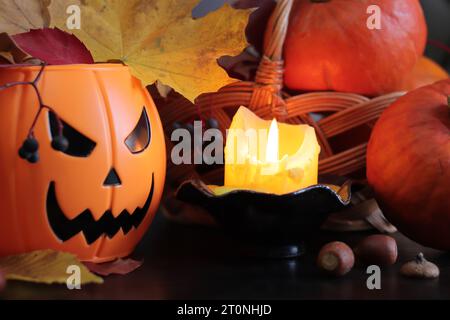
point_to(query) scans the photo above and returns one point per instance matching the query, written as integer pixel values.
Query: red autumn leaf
(54, 46)
(119, 266)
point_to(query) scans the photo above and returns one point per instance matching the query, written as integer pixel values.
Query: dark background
(437, 13)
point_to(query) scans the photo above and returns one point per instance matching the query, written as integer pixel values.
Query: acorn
(420, 268)
(60, 143)
(377, 249)
(336, 258)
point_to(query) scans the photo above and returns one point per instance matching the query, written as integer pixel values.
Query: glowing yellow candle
(267, 156)
(272, 142)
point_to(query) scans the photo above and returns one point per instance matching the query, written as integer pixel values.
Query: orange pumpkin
(330, 47)
(408, 164)
(424, 73)
(97, 198)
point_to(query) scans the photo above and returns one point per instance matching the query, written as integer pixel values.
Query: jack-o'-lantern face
(97, 197)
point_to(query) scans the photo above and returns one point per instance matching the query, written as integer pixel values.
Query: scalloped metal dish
(269, 220)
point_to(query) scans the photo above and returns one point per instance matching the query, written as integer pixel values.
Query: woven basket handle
(269, 77)
(276, 30)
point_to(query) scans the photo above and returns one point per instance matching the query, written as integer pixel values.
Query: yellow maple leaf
(159, 40)
(45, 266)
(17, 16)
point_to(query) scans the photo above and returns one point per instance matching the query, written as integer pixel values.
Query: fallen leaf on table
(46, 266)
(54, 46)
(159, 40)
(119, 266)
(18, 16)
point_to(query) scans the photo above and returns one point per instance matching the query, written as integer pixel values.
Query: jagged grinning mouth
(65, 228)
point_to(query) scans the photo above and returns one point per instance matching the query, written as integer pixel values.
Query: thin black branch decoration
(30, 148)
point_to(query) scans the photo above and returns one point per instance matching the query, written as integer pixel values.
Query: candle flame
(272, 143)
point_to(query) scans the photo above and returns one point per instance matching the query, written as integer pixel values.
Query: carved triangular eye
(78, 144)
(139, 139)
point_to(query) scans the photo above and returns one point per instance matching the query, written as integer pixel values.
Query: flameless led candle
(266, 156)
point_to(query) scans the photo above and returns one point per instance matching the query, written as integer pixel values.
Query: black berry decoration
(34, 158)
(29, 150)
(31, 145)
(24, 154)
(190, 128)
(60, 143)
(212, 123)
(176, 125)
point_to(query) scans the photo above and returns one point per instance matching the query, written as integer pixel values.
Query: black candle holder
(266, 224)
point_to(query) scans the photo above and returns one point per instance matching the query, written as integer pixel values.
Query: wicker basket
(340, 114)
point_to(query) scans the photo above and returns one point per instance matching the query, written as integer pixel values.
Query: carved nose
(112, 179)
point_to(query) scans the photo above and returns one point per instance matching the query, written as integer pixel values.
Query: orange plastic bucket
(97, 199)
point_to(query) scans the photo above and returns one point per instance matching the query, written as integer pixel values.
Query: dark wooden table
(191, 262)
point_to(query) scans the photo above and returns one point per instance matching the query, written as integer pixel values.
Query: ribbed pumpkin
(408, 164)
(330, 47)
